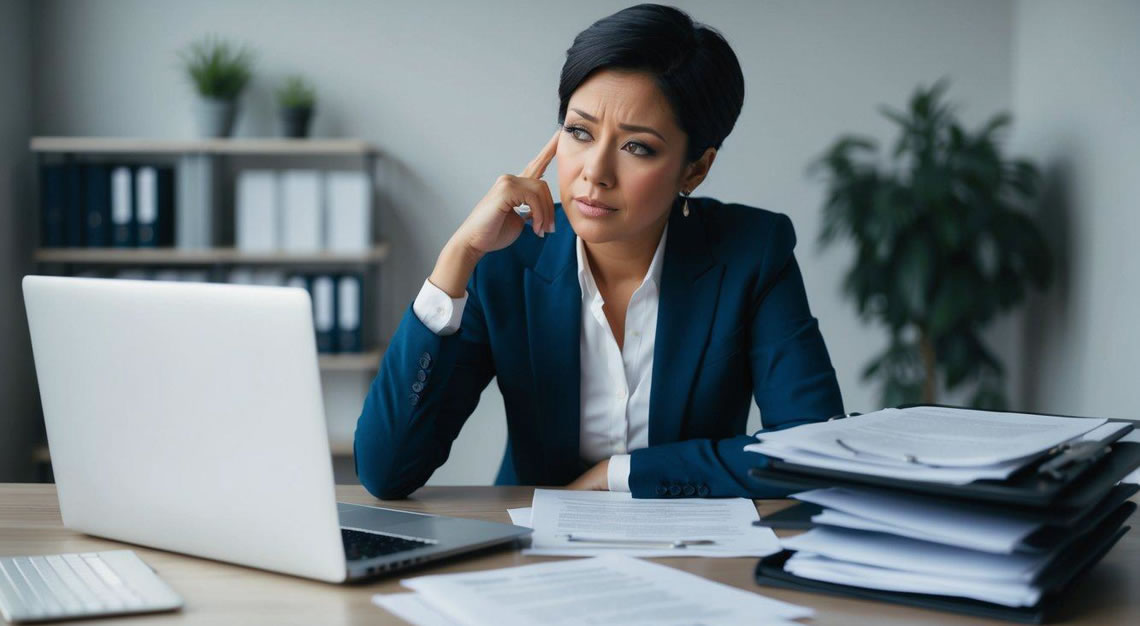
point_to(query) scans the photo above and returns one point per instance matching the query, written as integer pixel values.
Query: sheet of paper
(935, 436)
(947, 475)
(520, 516)
(854, 574)
(412, 608)
(928, 519)
(912, 555)
(602, 590)
(727, 522)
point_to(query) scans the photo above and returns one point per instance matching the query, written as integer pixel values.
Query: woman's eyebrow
(630, 127)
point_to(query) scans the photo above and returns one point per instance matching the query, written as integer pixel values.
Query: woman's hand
(597, 478)
(493, 224)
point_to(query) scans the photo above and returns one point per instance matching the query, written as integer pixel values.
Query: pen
(642, 543)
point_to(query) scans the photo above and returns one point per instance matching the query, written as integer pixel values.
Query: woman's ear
(696, 171)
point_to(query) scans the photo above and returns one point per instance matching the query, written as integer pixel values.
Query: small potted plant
(296, 100)
(220, 71)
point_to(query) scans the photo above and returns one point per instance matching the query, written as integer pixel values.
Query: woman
(631, 325)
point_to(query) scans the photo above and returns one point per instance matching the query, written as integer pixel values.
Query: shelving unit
(344, 376)
(222, 256)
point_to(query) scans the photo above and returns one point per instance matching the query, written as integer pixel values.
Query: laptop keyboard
(360, 545)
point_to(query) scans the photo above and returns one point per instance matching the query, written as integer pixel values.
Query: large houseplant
(220, 71)
(943, 244)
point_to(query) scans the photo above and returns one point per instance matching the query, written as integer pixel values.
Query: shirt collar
(586, 278)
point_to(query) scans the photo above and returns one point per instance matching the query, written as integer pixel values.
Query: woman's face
(620, 158)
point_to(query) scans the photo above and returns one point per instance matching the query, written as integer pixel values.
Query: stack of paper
(588, 523)
(954, 446)
(603, 590)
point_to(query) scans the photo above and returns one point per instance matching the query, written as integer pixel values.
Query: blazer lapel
(690, 289)
(553, 310)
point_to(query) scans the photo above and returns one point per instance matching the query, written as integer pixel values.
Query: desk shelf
(236, 146)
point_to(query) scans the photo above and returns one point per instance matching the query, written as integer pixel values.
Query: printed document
(935, 436)
(587, 523)
(602, 590)
(929, 519)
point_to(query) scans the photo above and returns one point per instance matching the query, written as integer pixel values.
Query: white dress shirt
(615, 383)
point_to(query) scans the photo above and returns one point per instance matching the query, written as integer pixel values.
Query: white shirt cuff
(438, 311)
(618, 473)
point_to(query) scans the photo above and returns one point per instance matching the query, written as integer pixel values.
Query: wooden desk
(217, 593)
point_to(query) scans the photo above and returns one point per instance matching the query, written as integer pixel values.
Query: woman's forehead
(615, 97)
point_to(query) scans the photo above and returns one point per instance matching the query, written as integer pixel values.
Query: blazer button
(425, 361)
(414, 399)
(675, 490)
(703, 490)
(689, 490)
(421, 376)
(662, 490)
(417, 386)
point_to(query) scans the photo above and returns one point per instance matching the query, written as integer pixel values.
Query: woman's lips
(592, 209)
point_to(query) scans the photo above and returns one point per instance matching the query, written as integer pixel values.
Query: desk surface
(221, 593)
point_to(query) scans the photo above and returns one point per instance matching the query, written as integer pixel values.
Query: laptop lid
(188, 417)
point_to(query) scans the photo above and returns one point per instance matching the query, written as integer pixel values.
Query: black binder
(1069, 564)
(1055, 532)
(1083, 509)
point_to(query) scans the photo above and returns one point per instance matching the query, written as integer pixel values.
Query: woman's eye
(578, 133)
(638, 149)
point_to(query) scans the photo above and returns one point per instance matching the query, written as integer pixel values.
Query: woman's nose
(598, 168)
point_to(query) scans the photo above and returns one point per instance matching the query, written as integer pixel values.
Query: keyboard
(359, 545)
(88, 584)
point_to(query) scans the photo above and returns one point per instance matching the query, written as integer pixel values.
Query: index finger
(537, 167)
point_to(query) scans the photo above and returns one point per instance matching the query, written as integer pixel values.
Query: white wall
(19, 427)
(1077, 102)
(458, 92)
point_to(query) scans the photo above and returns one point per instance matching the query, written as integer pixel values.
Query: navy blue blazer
(733, 324)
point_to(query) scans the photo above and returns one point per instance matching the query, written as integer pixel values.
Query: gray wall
(458, 92)
(1077, 98)
(19, 428)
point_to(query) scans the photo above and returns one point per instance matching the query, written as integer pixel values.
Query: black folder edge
(1072, 497)
(1080, 557)
(1050, 537)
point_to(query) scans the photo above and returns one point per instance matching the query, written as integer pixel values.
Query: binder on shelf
(194, 202)
(324, 318)
(154, 196)
(73, 205)
(122, 208)
(257, 211)
(348, 206)
(301, 211)
(348, 313)
(97, 205)
(52, 200)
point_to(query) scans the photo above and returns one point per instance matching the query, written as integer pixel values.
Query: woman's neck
(627, 260)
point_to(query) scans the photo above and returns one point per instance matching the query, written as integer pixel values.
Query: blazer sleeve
(427, 387)
(793, 383)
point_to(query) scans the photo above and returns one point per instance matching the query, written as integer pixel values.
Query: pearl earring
(685, 206)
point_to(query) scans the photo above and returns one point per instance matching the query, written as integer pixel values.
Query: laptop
(188, 417)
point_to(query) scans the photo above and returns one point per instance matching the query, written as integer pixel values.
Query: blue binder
(123, 234)
(72, 205)
(52, 199)
(97, 205)
(348, 313)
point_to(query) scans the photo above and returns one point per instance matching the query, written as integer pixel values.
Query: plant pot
(295, 122)
(216, 117)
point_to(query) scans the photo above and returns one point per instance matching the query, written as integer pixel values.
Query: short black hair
(692, 64)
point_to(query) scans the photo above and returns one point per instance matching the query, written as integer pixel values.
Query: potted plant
(220, 71)
(296, 100)
(943, 244)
